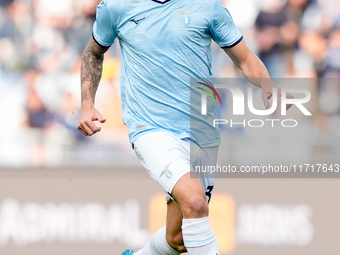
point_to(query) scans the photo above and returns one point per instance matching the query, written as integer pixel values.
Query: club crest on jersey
(166, 172)
(186, 18)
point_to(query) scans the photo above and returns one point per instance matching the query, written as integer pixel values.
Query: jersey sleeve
(103, 31)
(222, 27)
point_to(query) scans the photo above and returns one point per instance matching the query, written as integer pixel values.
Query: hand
(88, 116)
(267, 92)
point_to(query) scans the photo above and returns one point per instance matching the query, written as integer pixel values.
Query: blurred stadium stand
(63, 193)
(41, 44)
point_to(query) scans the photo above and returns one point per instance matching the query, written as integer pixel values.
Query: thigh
(165, 157)
(200, 183)
(206, 157)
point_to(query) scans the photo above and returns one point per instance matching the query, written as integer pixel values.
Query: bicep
(94, 48)
(239, 53)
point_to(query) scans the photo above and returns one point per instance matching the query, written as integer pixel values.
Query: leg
(159, 152)
(168, 161)
(193, 194)
(168, 240)
(174, 217)
(190, 195)
(194, 206)
(174, 235)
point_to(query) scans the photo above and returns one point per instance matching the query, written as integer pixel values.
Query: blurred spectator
(41, 43)
(295, 9)
(5, 3)
(332, 66)
(38, 116)
(276, 36)
(316, 47)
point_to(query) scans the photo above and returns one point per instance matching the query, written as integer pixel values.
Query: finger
(81, 129)
(93, 128)
(102, 120)
(279, 92)
(99, 117)
(265, 100)
(88, 129)
(289, 96)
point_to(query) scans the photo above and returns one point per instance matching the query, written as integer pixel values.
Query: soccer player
(163, 45)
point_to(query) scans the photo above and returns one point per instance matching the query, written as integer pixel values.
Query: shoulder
(114, 9)
(218, 3)
(216, 9)
(115, 6)
(206, 3)
(213, 6)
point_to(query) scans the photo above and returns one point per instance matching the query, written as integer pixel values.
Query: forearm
(250, 65)
(91, 71)
(254, 70)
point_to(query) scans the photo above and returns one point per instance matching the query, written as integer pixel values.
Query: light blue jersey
(163, 45)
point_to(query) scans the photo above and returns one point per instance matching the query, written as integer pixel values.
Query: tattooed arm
(91, 72)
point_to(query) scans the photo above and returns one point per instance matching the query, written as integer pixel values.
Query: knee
(176, 242)
(195, 206)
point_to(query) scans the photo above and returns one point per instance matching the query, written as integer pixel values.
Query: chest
(153, 25)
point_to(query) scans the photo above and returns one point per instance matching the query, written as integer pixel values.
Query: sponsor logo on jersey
(186, 18)
(138, 21)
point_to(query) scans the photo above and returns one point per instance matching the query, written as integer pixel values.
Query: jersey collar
(161, 1)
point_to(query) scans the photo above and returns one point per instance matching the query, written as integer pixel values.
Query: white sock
(199, 239)
(157, 245)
